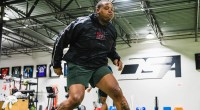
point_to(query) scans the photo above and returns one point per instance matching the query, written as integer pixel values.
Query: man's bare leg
(104, 105)
(110, 86)
(76, 95)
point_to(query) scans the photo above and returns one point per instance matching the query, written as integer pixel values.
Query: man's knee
(103, 101)
(116, 92)
(76, 99)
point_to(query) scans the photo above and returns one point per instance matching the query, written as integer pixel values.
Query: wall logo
(153, 67)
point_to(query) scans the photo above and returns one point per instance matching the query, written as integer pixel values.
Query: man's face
(106, 12)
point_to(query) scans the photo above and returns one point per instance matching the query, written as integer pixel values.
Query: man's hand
(88, 89)
(118, 63)
(58, 71)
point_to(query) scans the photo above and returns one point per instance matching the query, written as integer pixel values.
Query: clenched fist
(118, 63)
(58, 71)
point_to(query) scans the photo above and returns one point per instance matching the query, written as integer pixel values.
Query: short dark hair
(100, 3)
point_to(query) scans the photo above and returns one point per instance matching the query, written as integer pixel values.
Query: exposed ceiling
(33, 25)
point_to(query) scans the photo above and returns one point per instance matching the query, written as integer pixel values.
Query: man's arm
(118, 63)
(69, 36)
(61, 42)
(113, 55)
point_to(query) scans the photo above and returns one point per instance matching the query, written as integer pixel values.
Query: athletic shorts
(80, 75)
(101, 93)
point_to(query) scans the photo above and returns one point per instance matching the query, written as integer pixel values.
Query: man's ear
(97, 10)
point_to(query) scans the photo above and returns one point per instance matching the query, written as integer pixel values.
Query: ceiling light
(6, 18)
(7, 29)
(142, 9)
(124, 0)
(150, 36)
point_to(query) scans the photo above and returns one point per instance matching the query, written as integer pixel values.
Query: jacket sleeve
(113, 54)
(62, 42)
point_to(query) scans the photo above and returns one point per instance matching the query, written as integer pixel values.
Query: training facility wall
(170, 90)
(43, 82)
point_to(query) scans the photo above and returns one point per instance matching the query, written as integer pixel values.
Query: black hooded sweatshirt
(90, 43)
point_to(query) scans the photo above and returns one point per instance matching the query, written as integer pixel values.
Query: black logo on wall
(197, 60)
(153, 67)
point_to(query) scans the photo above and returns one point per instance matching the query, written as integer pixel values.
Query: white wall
(171, 91)
(41, 58)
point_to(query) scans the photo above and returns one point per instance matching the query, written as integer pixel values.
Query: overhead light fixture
(150, 36)
(8, 29)
(142, 9)
(124, 0)
(6, 18)
(25, 26)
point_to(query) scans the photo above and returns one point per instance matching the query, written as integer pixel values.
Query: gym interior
(158, 42)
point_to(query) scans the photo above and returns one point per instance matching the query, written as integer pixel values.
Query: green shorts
(80, 75)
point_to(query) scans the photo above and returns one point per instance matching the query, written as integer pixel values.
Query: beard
(106, 19)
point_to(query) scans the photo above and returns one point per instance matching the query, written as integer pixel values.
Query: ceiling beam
(65, 7)
(181, 30)
(34, 40)
(49, 30)
(152, 19)
(27, 48)
(122, 33)
(1, 22)
(168, 6)
(54, 5)
(78, 4)
(11, 2)
(13, 47)
(14, 40)
(22, 52)
(173, 3)
(32, 8)
(24, 15)
(48, 14)
(57, 8)
(158, 12)
(197, 20)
